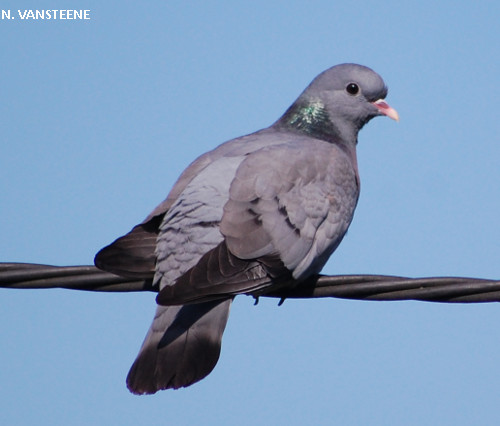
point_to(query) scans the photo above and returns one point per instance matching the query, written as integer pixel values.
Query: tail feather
(182, 347)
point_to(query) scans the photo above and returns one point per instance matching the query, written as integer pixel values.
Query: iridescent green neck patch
(311, 118)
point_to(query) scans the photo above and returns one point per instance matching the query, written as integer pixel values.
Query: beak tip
(385, 109)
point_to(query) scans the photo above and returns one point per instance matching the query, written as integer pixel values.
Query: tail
(182, 347)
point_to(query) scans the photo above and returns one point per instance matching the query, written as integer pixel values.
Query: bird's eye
(352, 89)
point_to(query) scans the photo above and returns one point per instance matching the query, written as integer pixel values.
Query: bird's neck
(311, 118)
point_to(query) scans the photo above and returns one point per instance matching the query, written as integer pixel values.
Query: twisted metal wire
(32, 275)
(359, 287)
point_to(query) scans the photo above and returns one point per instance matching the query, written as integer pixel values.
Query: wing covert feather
(292, 200)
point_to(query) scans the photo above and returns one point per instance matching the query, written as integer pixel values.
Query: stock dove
(257, 213)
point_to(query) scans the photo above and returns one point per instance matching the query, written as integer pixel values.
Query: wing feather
(289, 207)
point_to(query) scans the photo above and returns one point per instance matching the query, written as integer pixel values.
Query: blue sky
(98, 119)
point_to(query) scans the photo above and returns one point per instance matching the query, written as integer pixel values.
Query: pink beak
(385, 109)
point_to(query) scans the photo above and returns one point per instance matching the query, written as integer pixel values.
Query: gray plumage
(257, 213)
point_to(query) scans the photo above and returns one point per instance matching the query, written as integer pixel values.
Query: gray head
(338, 103)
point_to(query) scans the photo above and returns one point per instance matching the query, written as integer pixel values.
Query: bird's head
(339, 102)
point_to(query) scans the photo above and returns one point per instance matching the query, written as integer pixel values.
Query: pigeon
(258, 213)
